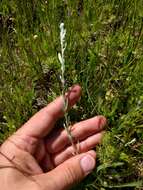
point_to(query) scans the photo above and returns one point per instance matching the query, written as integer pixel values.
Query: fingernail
(102, 122)
(87, 164)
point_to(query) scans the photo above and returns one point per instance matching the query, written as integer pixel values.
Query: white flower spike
(61, 57)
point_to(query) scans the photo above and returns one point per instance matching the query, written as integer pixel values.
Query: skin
(39, 156)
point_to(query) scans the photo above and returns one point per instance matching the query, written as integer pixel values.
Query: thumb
(69, 173)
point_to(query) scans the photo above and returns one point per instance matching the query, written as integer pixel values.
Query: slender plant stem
(65, 99)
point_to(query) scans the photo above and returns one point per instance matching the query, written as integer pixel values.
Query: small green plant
(61, 57)
(107, 62)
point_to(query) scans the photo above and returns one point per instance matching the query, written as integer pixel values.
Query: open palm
(37, 147)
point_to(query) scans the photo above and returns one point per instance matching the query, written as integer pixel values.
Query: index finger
(43, 121)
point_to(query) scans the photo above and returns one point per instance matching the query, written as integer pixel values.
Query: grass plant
(61, 57)
(104, 55)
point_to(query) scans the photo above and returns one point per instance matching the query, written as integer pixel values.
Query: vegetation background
(104, 55)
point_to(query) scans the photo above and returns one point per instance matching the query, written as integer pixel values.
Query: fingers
(59, 139)
(83, 146)
(43, 121)
(70, 172)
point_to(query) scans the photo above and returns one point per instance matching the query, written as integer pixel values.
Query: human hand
(39, 156)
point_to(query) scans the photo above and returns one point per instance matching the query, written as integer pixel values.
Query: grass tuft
(104, 56)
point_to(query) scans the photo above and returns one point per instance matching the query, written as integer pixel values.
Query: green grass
(104, 55)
